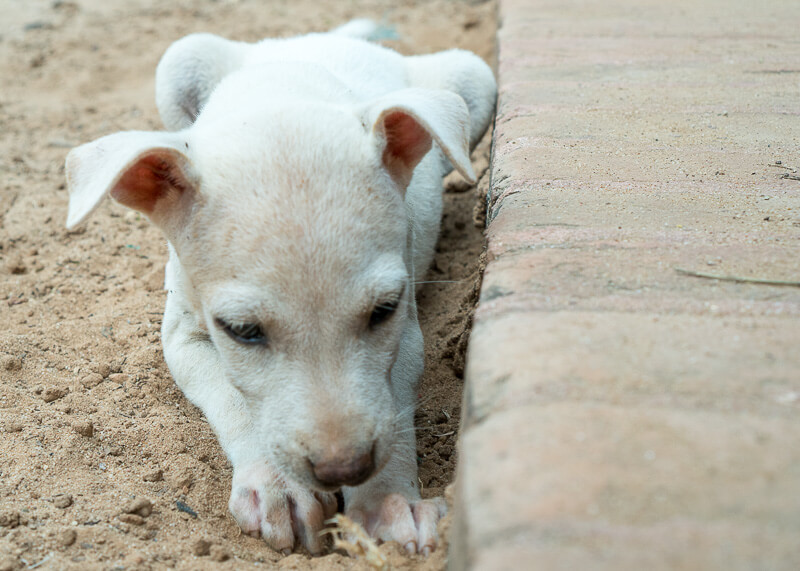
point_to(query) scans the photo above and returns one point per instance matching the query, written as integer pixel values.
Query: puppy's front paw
(263, 503)
(411, 523)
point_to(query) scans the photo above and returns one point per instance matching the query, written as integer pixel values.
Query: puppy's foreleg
(262, 500)
(388, 505)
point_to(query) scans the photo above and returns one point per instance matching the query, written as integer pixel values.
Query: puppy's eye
(247, 333)
(382, 313)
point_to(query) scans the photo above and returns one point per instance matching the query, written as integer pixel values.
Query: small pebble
(38, 25)
(14, 427)
(201, 547)
(8, 564)
(84, 428)
(142, 507)
(119, 378)
(62, 501)
(471, 22)
(67, 537)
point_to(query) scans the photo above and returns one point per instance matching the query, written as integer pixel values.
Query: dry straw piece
(351, 537)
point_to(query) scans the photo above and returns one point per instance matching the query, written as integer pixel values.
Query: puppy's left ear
(407, 122)
(145, 171)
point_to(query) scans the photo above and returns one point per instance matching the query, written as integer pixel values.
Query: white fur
(289, 201)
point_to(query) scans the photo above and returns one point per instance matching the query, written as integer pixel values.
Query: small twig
(185, 509)
(738, 279)
(42, 562)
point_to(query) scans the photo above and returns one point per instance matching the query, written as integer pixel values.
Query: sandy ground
(91, 421)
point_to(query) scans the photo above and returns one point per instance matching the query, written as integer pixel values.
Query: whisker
(413, 429)
(412, 408)
(439, 282)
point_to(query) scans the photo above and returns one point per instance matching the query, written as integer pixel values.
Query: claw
(412, 523)
(282, 513)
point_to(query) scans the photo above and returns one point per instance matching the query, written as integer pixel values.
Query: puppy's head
(292, 229)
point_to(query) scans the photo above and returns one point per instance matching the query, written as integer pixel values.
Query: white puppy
(300, 191)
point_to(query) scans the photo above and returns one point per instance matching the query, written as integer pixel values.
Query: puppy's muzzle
(344, 468)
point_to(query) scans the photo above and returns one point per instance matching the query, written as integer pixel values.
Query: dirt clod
(132, 519)
(455, 183)
(154, 476)
(84, 428)
(15, 266)
(10, 363)
(183, 478)
(67, 537)
(92, 380)
(119, 378)
(9, 519)
(62, 501)
(51, 394)
(103, 370)
(219, 553)
(201, 547)
(141, 507)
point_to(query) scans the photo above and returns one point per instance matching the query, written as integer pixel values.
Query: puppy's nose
(344, 469)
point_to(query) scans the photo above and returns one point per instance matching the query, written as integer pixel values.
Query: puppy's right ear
(146, 171)
(406, 123)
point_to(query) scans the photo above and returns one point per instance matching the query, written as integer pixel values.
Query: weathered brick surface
(619, 414)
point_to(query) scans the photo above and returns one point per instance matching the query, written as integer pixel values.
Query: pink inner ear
(153, 178)
(406, 141)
